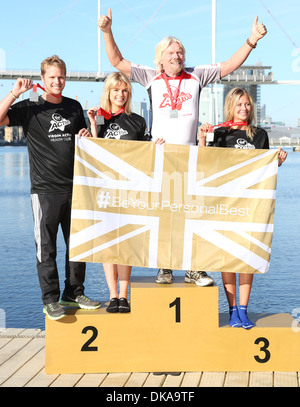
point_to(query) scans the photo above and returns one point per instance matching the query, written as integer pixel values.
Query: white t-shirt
(183, 128)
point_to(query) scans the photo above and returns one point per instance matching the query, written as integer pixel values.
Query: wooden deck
(22, 362)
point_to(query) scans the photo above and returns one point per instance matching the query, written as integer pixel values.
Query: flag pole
(99, 42)
(214, 93)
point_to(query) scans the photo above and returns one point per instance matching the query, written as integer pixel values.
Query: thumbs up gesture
(105, 22)
(258, 29)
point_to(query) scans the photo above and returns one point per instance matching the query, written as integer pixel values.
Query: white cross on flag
(173, 206)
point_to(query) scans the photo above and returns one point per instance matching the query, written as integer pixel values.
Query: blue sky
(32, 30)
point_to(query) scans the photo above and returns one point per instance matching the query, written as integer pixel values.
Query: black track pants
(50, 211)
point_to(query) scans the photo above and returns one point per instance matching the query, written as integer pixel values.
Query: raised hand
(21, 86)
(202, 132)
(105, 22)
(258, 29)
(91, 114)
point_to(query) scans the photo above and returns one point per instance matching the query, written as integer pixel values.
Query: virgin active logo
(58, 122)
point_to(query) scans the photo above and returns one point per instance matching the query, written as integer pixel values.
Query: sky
(33, 30)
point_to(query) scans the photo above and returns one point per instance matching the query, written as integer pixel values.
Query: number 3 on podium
(263, 349)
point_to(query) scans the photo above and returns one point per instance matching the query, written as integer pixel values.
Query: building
(250, 77)
(141, 109)
(12, 136)
(207, 104)
(263, 113)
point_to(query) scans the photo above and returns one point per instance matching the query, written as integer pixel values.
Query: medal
(102, 114)
(173, 114)
(230, 123)
(210, 137)
(99, 120)
(34, 96)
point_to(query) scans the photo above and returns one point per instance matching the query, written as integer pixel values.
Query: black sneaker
(81, 301)
(54, 311)
(123, 305)
(113, 305)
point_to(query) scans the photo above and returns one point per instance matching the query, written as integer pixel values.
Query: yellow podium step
(170, 328)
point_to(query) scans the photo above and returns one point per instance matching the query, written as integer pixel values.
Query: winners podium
(171, 328)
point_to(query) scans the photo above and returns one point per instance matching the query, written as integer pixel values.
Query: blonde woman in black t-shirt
(239, 132)
(117, 121)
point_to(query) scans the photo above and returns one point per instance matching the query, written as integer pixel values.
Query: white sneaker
(164, 276)
(198, 277)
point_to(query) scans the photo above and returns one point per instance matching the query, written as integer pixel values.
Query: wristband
(15, 97)
(250, 44)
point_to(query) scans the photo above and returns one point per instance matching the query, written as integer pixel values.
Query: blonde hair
(161, 47)
(53, 61)
(232, 100)
(110, 83)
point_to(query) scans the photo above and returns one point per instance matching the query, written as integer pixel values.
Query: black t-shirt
(235, 138)
(50, 132)
(124, 127)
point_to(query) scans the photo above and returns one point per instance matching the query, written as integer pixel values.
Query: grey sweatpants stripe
(37, 216)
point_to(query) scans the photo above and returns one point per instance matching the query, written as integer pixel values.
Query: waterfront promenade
(22, 363)
(285, 142)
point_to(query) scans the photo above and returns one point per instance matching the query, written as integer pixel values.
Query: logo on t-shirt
(242, 143)
(115, 131)
(183, 97)
(58, 122)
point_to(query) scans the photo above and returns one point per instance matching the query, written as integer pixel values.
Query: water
(20, 298)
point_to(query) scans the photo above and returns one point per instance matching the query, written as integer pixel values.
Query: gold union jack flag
(173, 206)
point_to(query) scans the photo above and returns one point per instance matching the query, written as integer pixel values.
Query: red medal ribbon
(108, 115)
(173, 99)
(230, 123)
(34, 89)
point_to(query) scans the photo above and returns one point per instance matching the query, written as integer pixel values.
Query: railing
(246, 75)
(242, 77)
(287, 141)
(36, 75)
